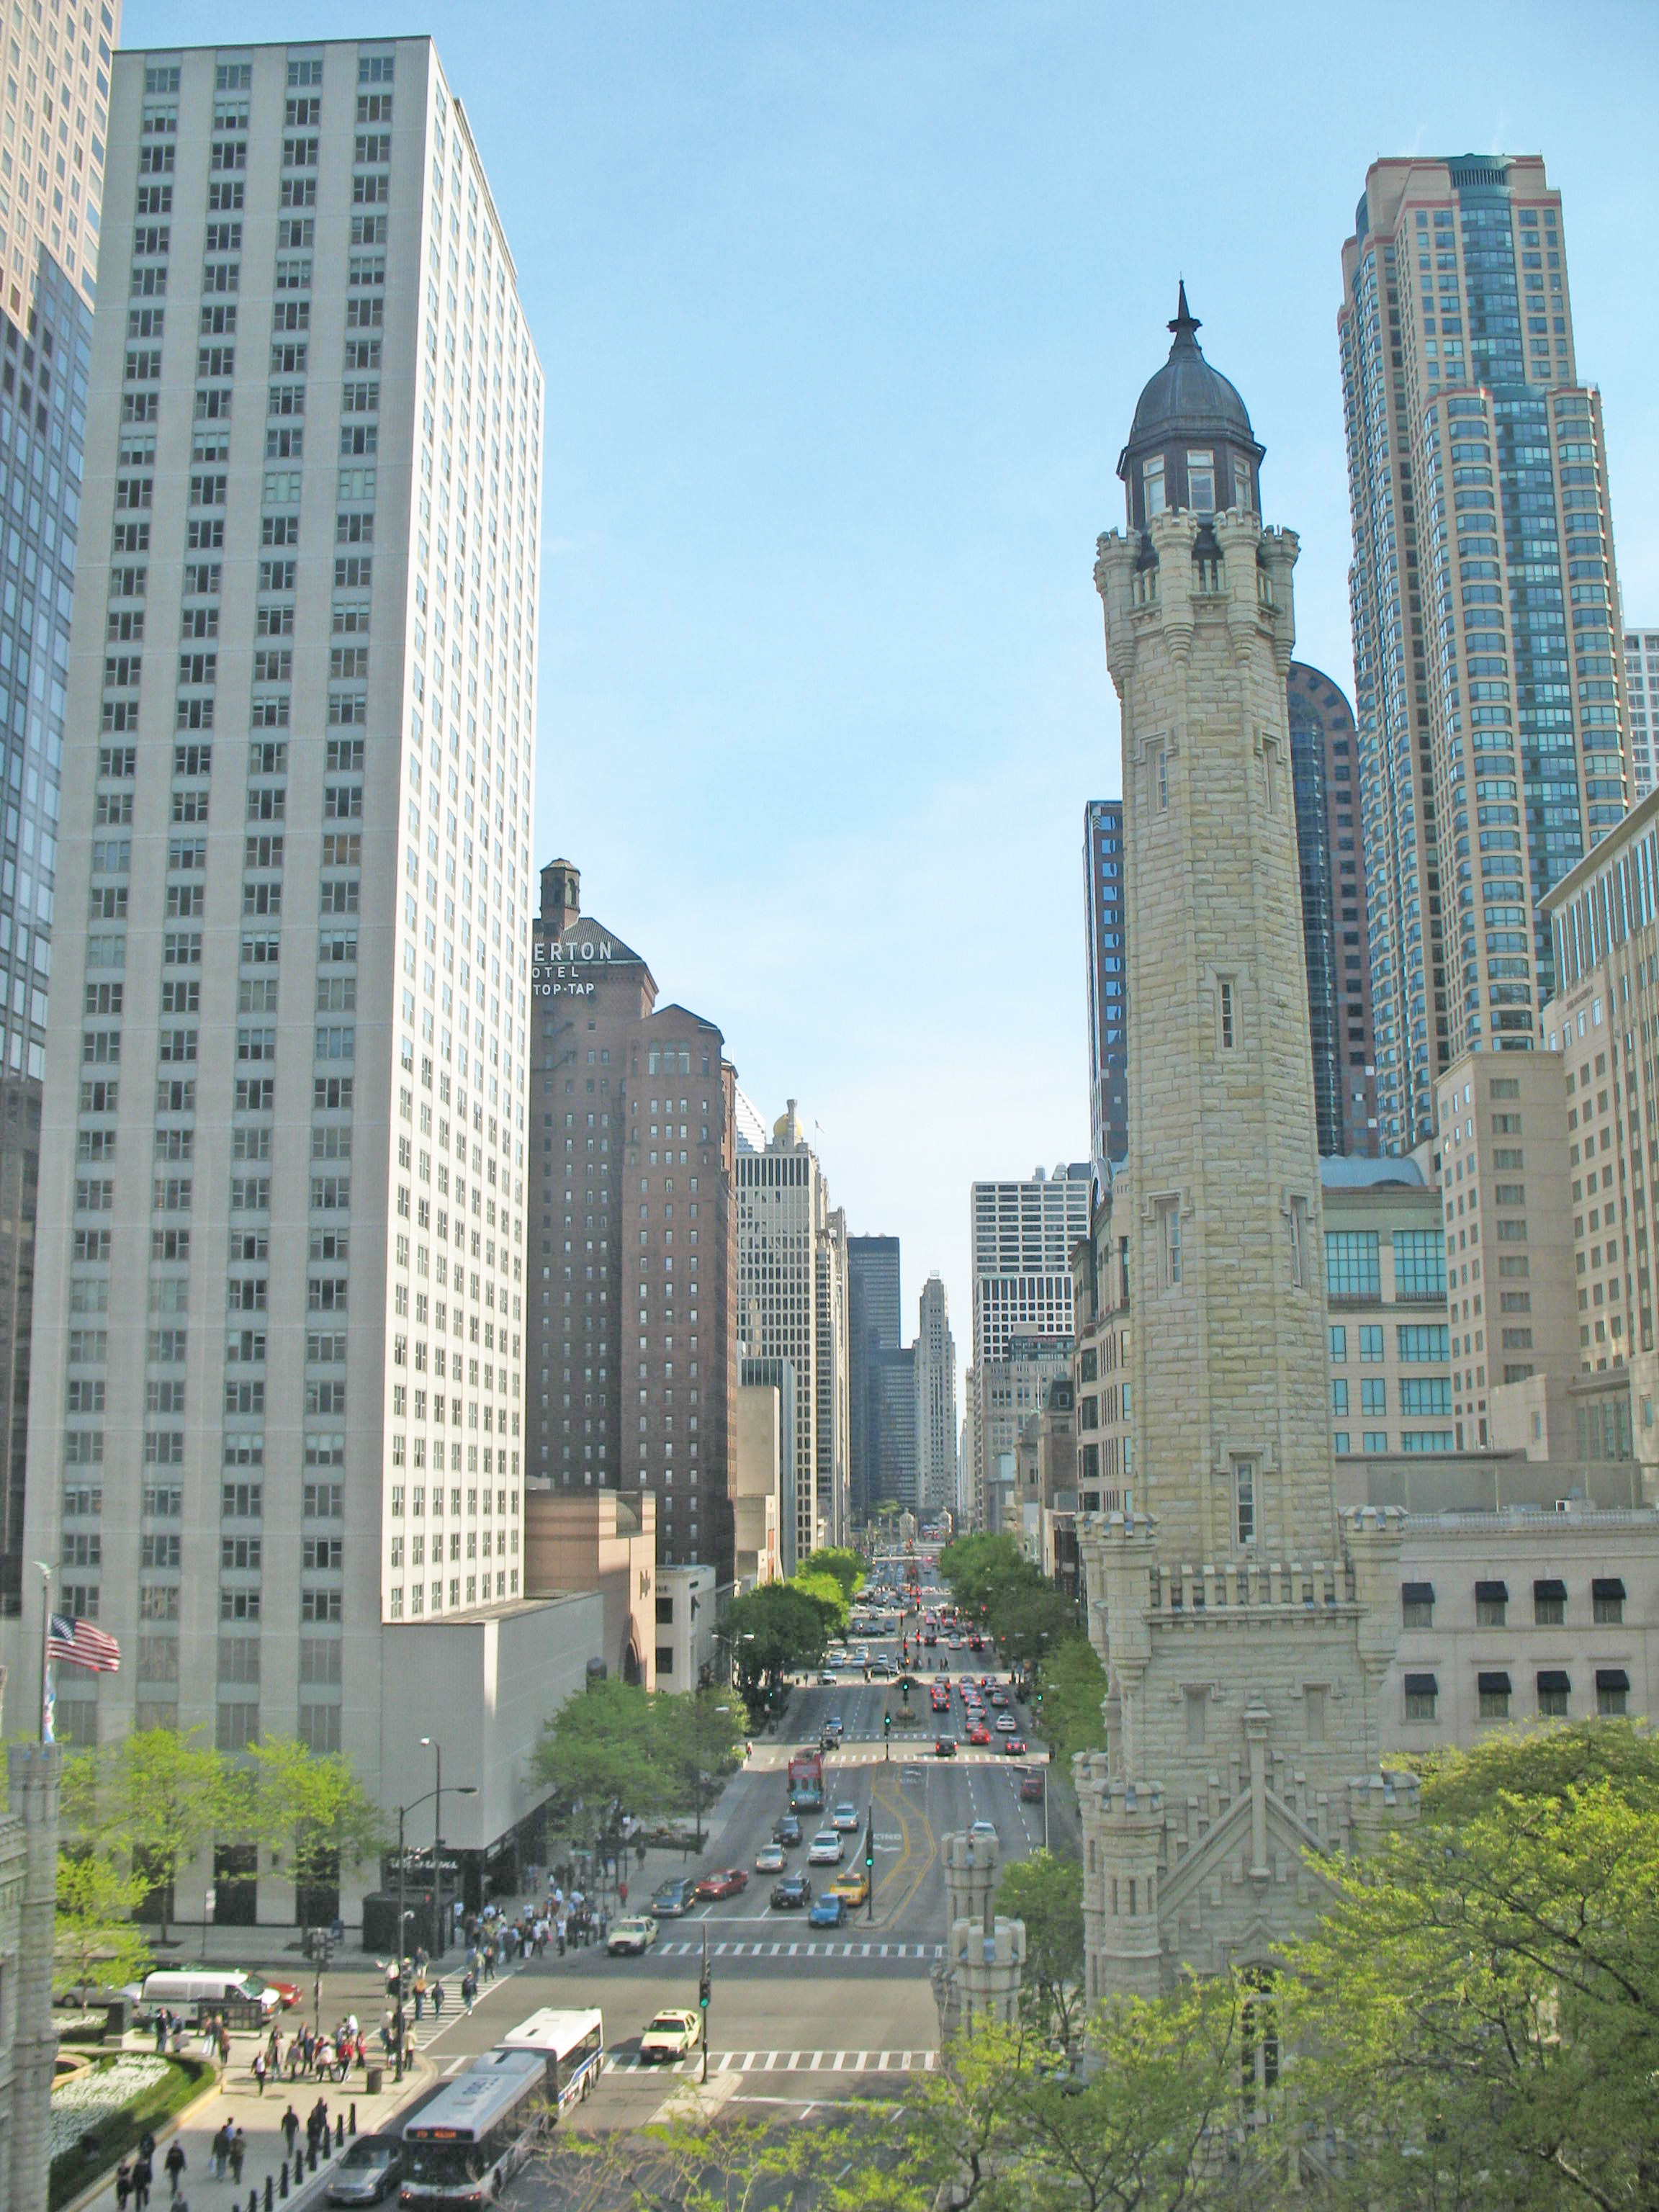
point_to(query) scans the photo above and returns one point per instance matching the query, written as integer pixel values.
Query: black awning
(1608, 1586)
(1493, 1684)
(1416, 1593)
(1550, 1589)
(1492, 1593)
(1552, 1678)
(1422, 1686)
(1612, 1678)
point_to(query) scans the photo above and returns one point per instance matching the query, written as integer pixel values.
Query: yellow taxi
(851, 1883)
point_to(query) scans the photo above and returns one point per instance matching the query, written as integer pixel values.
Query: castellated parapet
(1243, 1625)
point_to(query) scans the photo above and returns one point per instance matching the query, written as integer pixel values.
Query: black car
(787, 1831)
(793, 1894)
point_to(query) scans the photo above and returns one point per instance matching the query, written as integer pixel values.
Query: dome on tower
(1187, 397)
(1191, 444)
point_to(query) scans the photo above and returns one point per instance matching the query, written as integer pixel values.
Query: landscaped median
(99, 2112)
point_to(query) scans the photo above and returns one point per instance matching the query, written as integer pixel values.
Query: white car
(845, 1818)
(828, 1678)
(633, 1935)
(983, 1828)
(826, 1849)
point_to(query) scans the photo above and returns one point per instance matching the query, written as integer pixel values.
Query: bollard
(311, 2160)
(352, 2128)
(254, 2199)
(339, 2131)
(270, 2192)
(284, 2184)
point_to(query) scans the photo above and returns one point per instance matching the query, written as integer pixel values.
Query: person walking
(290, 2126)
(224, 2043)
(238, 2153)
(143, 2174)
(175, 2163)
(259, 2071)
(123, 2184)
(437, 1999)
(219, 2150)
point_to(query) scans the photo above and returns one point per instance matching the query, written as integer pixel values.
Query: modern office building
(792, 1306)
(1641, 675)
(873, 1308)
(1012, 1388)
(1104, 904)
(56, 117)
(937, 1440)
(775, 1379)
(895, 1474)
(1385, 1289)
(636, 1250)
(1491, 751)
(1021, 1235)
(279, 1293)
(1324, 776)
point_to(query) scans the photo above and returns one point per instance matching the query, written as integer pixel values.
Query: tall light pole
(457, 1790)
(429, 1744)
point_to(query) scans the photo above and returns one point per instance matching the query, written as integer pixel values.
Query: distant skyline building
(1642, 673)
(873, 1327)
(1108, 1049)
(1492, 756)
(1324, 773)
(50, 212)
(791, 1305)
(1021, 1234)
(937, 1441)
(893, 1376)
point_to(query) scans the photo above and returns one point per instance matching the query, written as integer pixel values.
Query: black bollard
(311, 2161)
(352, 2130)
(270, 2192)
(339, 2131)
(254, 2200)
(284, 2181)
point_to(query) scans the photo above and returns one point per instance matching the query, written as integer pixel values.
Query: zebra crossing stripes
(785, 2061)
(802, 1950)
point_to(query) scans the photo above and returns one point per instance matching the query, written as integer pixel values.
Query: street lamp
(457, 1790)
(724, 1710)
(429, 1743)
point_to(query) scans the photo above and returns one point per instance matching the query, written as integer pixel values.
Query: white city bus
(572, 2043)
(465, 2146)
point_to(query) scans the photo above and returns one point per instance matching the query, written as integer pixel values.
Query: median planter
(98, 2114)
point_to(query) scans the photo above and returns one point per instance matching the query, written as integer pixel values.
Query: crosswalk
(785, 2061)
(804, 1950)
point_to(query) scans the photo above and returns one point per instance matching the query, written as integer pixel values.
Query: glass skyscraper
(1492, 751)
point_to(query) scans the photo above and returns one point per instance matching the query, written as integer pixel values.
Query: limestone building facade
(1244, 1626)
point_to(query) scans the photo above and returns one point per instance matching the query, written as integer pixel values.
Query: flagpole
(45, 1646)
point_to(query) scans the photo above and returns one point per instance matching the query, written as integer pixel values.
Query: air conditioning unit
(1563, 1506)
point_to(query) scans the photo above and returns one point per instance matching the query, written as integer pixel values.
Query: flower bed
(99, 2114)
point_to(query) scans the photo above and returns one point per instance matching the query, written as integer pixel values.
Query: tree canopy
(773, 1630)
(617, 1749)
(840, 1562)
(1046, 1893)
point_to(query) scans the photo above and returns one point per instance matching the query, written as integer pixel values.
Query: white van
(188, 1988)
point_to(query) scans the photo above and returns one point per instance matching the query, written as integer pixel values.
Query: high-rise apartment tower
(872, 1327)
(1021, 1238)
(1487, 662)
(1103, 892)
(279, 1312)
(1642, 673)
(1324, 772)
(937, 1440)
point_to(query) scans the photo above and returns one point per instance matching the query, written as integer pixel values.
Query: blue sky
(843, 310)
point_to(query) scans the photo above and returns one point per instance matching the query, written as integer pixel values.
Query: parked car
(769, 1859)
(827, 1911)
(787, 1831)
(370, 2168)
(670, 2035)
(826, 1849)
(674, 1899)
(187, 1989)
(792, 1894)
(723, 1881)
(632, 1937)
(845, 1817)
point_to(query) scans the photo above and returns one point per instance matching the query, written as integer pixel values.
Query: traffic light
(887, 1724)
(870, 1843)
(702, 1991)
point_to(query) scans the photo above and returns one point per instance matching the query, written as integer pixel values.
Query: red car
(976, 1732)
(1015, 1746)
(725, 1882)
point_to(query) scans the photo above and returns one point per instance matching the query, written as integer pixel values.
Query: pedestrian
(162, 2024)
(469, 1987)
(224, 2043)
(123, 2184)
(290, 2126)
(219, 2150)
(437, 1999)
(622, 1891)
(560, 1931)
(175, 2163)
(142, 2173)
(259, 2071)
(238, 2153)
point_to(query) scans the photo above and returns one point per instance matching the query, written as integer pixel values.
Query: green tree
(600, 1751)
(1029, 1621)
(1046, 1893)
(840, 1562)
(976, 1566)
(826, 1593)
(309, 1808)
(773, 1630)
(1481, 2003)
(696, 1741)
(159, 1796)
(1071, 1686)
(98, 1943)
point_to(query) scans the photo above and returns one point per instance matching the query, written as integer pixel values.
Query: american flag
(82, 1644)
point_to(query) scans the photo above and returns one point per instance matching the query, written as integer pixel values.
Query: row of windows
(1491, 1602)
(1494, 1693)
(1353, 1264)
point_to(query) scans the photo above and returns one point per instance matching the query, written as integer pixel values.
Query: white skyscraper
(937, 1439)
(278, 1311)
(1022, 1237)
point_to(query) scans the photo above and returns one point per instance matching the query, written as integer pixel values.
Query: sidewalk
(237, 2099)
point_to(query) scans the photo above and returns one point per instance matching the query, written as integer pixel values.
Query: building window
(1371, 1341)
(1244, 1500)
(1339, 1340)
(1374, 1395)
(1229, 1015)
(1152, 477)
(1168, 1241)
(1241, 486)
(1493, 1690)
(1549, 1604)
(1554, 1689)
(1611, 1693)
(1353, 1266)
(1339, 1395)
(1420, 1264)
(1201, 483)
(1422, 1694)
(1491, 1604)
(1417, 1605)
(1608, 1601)
(1163, 779)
